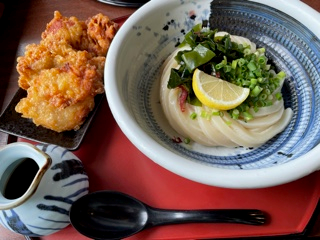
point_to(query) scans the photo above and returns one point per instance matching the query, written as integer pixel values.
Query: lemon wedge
(217, 93)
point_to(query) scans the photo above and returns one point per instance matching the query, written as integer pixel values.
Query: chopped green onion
(243, 107)
(263, 96)
(235, 113)
(252, 66)
(228, 123)
(205, 114)
(272, 87)
(219, 66)
(267, 92)
(227, 68)
(268, 103)
(247, 51)
(245, 83)
(262, 60)
(257, 73)
(247, 116)
(256, 91)
(187, 140)
(243, 68)
(251, 75)
(241, 62)
(234, 64)
(193, 115)
(216, 113)
(253, 81)
(278, 96)
(281, 74)
(267, 67)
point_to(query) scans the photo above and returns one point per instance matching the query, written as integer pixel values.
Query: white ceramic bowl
(289, 29)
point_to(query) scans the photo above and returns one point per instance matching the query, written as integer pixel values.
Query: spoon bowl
(115, 215)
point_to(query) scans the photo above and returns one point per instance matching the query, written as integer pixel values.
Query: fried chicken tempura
(100, 34)
(64, 73)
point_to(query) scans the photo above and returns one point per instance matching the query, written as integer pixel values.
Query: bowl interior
(154, 35)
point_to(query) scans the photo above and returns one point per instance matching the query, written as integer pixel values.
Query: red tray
(113, 163)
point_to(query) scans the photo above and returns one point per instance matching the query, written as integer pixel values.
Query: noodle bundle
(221, 129)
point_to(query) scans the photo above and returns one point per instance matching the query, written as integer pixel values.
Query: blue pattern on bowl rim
(290, 46)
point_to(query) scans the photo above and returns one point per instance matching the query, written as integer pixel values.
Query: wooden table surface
(21, 23)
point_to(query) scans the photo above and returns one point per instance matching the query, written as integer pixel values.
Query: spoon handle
(242, 216)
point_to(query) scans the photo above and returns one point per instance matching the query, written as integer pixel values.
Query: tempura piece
(36, 58)
(64, 34)
(47, 115)
(100, 31)
(64, 73)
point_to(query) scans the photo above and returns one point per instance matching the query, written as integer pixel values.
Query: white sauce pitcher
(38, 184)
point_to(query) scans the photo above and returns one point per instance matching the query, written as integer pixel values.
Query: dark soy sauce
(21, 179)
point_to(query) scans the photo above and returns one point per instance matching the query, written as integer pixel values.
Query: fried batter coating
(100, 31)
(47, 115)
(94, 35)
(36, 58)
(63, 34)
(64, 73)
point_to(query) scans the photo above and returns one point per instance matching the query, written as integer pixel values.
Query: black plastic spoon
(114, 215)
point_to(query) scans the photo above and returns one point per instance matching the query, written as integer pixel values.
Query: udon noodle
(221, 129)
